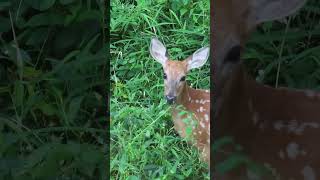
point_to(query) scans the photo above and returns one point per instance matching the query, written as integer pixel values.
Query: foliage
(144, 144)
(51, 89)
(287, 53)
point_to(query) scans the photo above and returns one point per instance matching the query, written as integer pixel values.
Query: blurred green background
(52, 104)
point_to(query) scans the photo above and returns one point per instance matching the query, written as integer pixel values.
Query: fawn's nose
(171, 99)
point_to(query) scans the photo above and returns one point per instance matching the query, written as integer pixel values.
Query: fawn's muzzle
(171, 99)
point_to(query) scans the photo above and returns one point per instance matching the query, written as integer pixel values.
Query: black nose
(171, 99)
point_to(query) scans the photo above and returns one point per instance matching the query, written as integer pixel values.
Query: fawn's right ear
(268, 10)
(158, 51)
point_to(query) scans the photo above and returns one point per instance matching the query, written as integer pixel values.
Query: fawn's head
(175, 71)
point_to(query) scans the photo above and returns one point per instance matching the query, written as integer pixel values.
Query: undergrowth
(144, 144)
(52, 105)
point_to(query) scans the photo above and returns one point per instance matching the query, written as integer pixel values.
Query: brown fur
(275, 126)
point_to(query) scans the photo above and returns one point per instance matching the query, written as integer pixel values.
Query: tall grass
(144, 144)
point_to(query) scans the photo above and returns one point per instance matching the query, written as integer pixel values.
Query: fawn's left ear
(198, 58)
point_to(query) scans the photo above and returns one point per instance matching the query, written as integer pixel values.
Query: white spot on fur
(201, 109)
(278, 125)
(300, 129)
(310, 94)
(293, 150)
(308, 173)
(206, 117)
(202, 124)
(251, 175)
(197, 101)
(293, 126)
(200, 132)
(281, 154)
(273, 171)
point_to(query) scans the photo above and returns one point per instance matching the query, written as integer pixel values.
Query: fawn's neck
(183, 98)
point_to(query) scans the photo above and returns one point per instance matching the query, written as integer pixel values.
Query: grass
(144, 144)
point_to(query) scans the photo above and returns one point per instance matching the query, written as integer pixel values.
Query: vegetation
(52, 84)
(144, 144)
(287, 53)
(52, 120)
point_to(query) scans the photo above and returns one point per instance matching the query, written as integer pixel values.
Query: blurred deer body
(190, 107)
(276, 127)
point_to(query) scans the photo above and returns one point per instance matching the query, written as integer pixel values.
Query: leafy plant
(144, 144)
(52, 90)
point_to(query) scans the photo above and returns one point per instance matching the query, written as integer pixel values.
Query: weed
(144, 144)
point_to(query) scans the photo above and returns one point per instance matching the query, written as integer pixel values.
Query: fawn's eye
(183, 78)
(164, 76)
(233, 54)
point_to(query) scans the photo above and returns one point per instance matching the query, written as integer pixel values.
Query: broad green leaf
(41, 4)
(37, 156)
(45, 19)
(30, 72)
(37, 37)
(181, 113)
(4, 4)
(18, 93)
(5, 25)
(188, 130)
(133, 178)
(66, 1)
(233, 161)
(74, 107)
(47, 109)
(93, 14)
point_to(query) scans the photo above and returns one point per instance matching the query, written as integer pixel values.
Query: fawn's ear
(198, 58)
(269, 10)
(158, 51)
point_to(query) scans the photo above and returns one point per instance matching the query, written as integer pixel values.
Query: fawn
(177, 92)
(277, 127)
